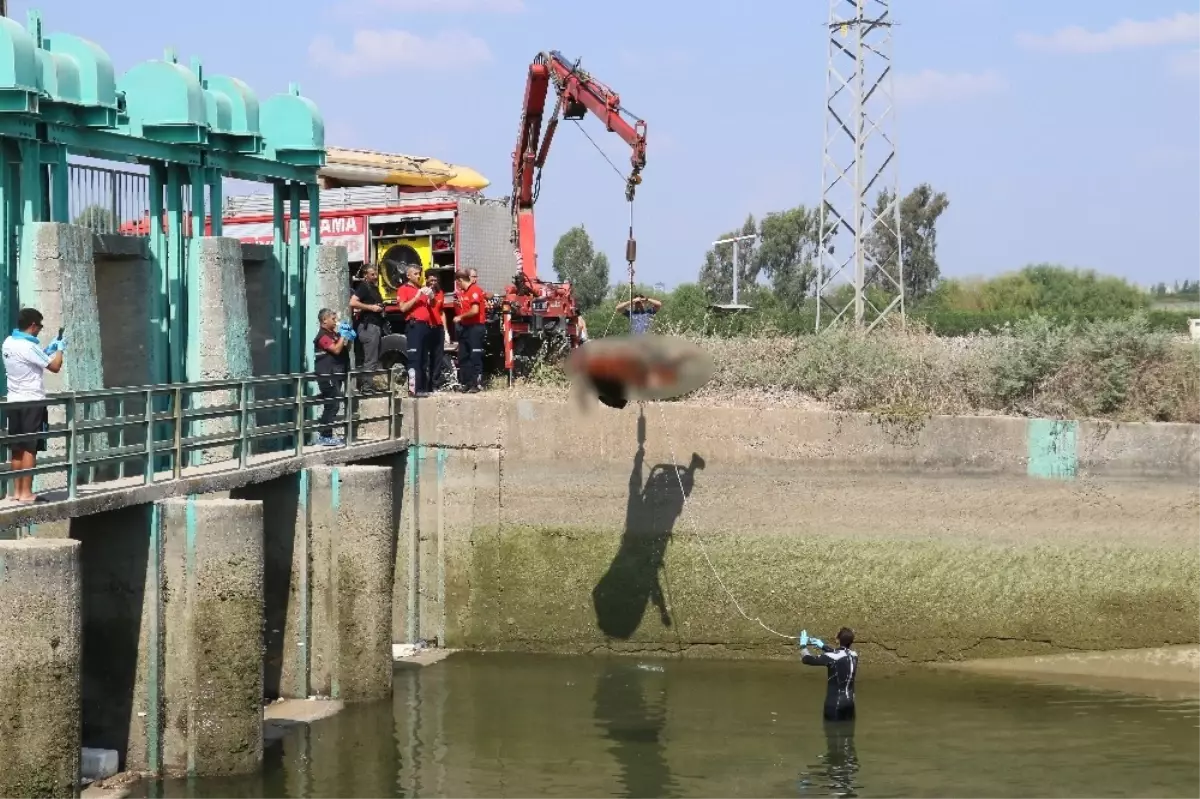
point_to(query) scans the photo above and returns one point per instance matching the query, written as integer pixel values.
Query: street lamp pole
(736, 240)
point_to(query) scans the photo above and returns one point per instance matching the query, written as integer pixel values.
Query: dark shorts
(30, 419)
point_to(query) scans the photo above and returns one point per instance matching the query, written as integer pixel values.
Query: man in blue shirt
(640, 311)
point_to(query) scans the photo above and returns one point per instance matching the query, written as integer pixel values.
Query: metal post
(174, 237)
(735, 271)
(295, 304)
(72, 450)
(178, 466)
(309, 289)
(391, 383)
(300, 414)
(148, 423)
(216, 202)
(736, 240)
(60, 187)
(121, 435)
(350, 397)
(245, 441)
(8, 225)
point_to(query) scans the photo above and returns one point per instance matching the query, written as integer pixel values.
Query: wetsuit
(842, 666)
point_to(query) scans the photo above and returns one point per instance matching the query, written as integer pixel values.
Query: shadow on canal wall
(633, 580)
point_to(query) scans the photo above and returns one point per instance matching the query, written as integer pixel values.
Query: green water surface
(553, 726)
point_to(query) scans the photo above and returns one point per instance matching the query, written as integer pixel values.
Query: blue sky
(1065, 132)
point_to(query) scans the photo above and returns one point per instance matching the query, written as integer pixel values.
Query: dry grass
(1118, 370)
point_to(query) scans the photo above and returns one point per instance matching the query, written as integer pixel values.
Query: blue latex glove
(817, 642)
(346, 331)
(58, 345)
(803, 639)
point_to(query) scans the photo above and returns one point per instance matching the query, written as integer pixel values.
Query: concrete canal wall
(540, 529)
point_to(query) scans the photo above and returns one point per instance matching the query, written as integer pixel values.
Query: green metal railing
(173, 422)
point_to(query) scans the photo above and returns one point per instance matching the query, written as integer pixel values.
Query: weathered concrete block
(332, 289)
(285, 582)
(219, 340)
(58, 277)
(40, 658)
(213, 618)
(353, 553)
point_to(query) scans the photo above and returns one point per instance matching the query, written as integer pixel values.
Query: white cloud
(931, 86)
(1127, 34)
(1185, 64)
(434, 6)
(375, 51)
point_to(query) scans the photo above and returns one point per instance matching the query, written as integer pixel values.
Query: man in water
(842, 666)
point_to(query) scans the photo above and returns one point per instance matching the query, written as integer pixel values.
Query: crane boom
(577, 94)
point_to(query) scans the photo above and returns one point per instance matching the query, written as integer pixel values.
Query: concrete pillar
(218, 332)
(213, 619)
(333, 285)
(58, 277)
(285, 583)
(352, 526)
(40, 656)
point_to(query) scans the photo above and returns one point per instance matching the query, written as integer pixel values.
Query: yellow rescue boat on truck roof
(352, 167)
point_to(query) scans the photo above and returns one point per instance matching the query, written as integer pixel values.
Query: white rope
(700, 540)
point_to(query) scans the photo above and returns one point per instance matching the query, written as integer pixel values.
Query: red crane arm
(578, 93)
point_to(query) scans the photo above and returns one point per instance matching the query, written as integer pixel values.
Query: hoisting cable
(700, 540)
(630, 243)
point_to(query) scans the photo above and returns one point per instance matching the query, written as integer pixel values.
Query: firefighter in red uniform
(439, 332)
(471, 317)
(414, 302)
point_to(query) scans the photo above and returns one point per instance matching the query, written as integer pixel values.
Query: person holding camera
(415, 301)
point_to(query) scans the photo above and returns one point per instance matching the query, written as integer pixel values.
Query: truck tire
(393, 351)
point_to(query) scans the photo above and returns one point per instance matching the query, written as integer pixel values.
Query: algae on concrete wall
(544, 530)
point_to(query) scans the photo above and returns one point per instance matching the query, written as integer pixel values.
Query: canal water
(504, 725)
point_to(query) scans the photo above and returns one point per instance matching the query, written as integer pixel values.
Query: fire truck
(440, 230)
(395, 211)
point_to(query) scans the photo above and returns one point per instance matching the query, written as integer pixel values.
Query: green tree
(716, 276)
(96, 218)
(919, 213)
(576, 260)
(1046, 289)
(787, 253)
